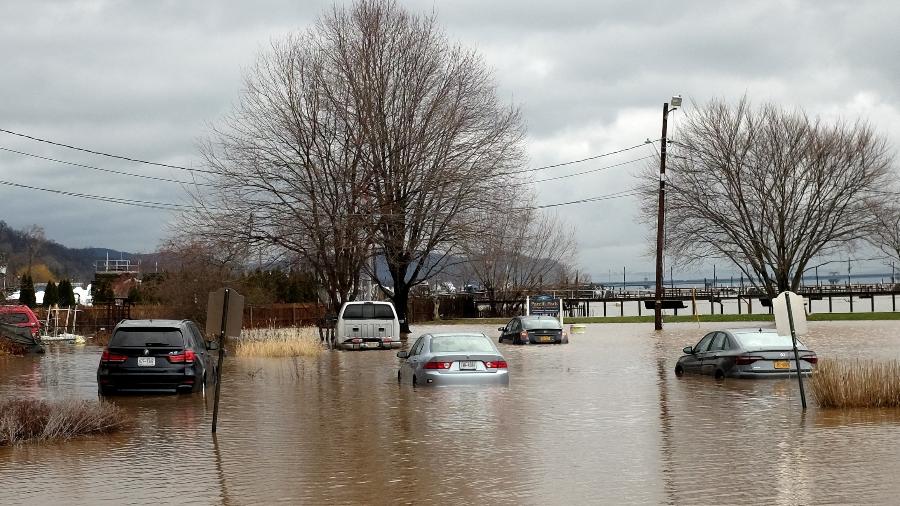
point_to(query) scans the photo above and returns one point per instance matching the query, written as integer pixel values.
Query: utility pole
(661, 222)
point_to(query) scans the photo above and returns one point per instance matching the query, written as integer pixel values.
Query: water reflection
(601, 420)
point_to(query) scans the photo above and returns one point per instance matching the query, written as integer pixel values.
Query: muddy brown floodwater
(601, 420)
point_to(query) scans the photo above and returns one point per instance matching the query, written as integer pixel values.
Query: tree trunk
(401, 301)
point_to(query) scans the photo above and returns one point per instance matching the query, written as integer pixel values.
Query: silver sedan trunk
(453, 359)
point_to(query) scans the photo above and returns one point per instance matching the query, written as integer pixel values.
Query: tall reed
(278, 342)
(856, 383)
(24, 420)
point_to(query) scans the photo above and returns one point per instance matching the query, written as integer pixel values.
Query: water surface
(600, 420)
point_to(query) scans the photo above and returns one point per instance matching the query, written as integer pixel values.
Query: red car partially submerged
(20, 316)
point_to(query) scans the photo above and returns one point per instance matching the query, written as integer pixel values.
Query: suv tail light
(438, 365)
(185, 357)
(746, 359)
(109, 356)
(496, 364)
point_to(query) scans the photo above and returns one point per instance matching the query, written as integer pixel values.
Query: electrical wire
(138, 160)
(169, 206)
(103, 198)
(101, 153)
(112, 171)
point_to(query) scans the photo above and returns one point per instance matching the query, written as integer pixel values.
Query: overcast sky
(145, 80)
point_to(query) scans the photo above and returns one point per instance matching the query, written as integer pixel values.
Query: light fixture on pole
(661, 215)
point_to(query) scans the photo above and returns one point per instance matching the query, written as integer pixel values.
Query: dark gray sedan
(745, 353)
(533, 329)
(453, 359)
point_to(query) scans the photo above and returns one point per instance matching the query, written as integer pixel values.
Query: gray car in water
(745, 353)
(452, 359)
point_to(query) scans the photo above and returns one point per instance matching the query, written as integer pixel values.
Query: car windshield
(13, 318)
(541, 323)
(765, 340)
(461, 344)
(147, 337)
(368, 312)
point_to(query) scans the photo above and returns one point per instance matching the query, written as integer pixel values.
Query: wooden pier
(819, 297)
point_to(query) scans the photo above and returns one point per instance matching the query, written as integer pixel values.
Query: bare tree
(34, 243)
(435, 136)
(885, 233)
(370, 131)
(520, 249)
(288, 169)
(768, 189)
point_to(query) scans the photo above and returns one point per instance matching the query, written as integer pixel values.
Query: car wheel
(720, 374)
(679, 371)
(104, 391)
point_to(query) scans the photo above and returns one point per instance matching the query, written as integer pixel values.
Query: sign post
(785, 321)
(224, 317)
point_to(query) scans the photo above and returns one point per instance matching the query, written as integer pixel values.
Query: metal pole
(221, 357)
(787, 298)
(660, 223)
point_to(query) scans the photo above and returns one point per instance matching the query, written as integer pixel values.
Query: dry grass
(24, 420)
(856, 384)
(272, 342)
(9, 348)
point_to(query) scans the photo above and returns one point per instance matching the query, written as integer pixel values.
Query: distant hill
(76, 264)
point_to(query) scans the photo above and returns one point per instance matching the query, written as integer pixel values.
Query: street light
(661, 215)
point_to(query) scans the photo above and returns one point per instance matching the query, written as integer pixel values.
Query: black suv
(156, 355)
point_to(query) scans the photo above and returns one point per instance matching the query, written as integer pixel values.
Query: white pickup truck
(365, 325)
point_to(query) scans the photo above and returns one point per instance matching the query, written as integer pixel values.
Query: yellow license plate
(546, 339)
(782, 364)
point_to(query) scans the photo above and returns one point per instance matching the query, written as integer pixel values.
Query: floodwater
(602, 420)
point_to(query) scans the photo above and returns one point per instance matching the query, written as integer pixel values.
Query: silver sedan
(453, 359)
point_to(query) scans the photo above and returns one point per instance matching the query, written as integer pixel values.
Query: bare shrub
(9, 348)
(23, 420)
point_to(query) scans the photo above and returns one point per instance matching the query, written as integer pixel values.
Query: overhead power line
(114, 200)
(112, 171)
(169, 206)
(101, 153)
(138, 160)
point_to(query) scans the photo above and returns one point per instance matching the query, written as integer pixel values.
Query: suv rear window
(368, 312)
(147, 337)
(13, 318)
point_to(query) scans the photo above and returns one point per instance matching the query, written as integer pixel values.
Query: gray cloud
(145, 79)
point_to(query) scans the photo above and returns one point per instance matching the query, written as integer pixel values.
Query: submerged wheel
(679, 371)
(720, 374)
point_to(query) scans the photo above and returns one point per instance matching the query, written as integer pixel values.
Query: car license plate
(782, 364)
(546, 339)
(372, 345)
(468, 365)
(146, 361)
